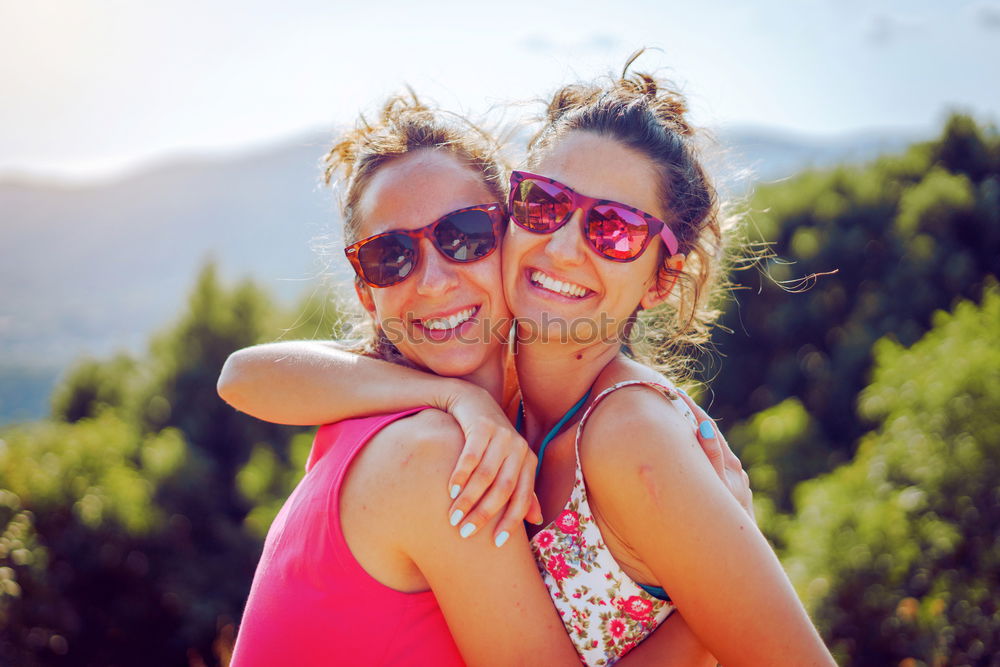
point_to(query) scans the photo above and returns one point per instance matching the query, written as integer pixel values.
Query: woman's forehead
(416, 189)
(603, 167)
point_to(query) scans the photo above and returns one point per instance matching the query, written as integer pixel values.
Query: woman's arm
(663, 498)
(672, 643)
(494, 601)
(318, 382)
(726, 464)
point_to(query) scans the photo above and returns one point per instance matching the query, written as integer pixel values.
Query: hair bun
(398, 109)
(568, 98)
(663, 97)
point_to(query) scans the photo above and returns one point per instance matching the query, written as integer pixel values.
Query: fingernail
(456, 516)
(706, 430)
(455, 490)
(501, 538)
(681, 391)
(467, 530)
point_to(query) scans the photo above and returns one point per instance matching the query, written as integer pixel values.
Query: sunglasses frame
(495, 211)
(581, 201)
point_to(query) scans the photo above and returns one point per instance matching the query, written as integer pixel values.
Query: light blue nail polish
(706, 430)
(681, 391)
(467, 530)
(456, 516)
(455, 490)
(501, 538)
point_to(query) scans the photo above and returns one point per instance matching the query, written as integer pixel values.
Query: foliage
(897, 554)
(133, 520)
(81, 519)
(908, 235)
(93, 385)
(780, 447)
(266, 483)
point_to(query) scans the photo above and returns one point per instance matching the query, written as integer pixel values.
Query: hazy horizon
(70, 176)
(98, 88)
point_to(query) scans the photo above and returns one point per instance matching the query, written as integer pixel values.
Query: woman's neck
(552, 377)
(490, 375)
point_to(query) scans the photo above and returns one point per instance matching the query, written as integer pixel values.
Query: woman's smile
(440, 316)
(557, 279)
(456, 322)
(547, 282)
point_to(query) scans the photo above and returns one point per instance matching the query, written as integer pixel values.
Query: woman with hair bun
(361, 565)
(615, 216)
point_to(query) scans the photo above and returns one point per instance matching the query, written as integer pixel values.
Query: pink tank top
(311, 602)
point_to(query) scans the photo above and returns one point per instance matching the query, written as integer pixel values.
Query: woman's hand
(726, 464)
(496, 470)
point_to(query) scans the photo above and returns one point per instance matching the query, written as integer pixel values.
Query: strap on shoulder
(668, 392)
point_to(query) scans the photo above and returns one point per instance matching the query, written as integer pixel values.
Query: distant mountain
(95, 268)
(749, 156)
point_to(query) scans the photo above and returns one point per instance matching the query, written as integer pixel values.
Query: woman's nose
(565, 245)
(435, 275)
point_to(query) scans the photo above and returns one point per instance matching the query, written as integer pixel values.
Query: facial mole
(579, 356)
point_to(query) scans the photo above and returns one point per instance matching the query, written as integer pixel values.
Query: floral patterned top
(605, 612)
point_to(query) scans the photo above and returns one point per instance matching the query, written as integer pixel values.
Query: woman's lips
(551, 287)
(443, 328)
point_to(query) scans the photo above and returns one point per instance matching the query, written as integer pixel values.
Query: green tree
(132, 522)
(81, 537)
(897, 554)
(93, 385)
(965, 148)
(908, 234)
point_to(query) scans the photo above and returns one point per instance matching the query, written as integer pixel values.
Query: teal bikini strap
(656, 592)
(555, 429)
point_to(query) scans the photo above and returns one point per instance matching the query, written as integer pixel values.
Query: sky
(90, 88)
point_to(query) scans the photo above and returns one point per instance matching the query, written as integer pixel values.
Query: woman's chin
(453, 365)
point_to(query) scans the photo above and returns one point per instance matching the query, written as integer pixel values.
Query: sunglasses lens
(466, 236)
(387, 259)
(539, 206)
(616, 232)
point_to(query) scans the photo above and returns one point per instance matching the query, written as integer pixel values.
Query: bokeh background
(160, 208)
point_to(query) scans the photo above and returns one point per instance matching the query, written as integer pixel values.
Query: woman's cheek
(513, 249)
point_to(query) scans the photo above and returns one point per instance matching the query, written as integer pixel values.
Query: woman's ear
(364, 293)
(659, 291)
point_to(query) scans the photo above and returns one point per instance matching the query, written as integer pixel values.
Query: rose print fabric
(605, 612)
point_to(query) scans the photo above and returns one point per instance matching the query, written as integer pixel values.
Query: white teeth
(558, 286)
(446, 323)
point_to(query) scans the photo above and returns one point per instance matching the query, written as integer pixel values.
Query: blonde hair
(404, 125)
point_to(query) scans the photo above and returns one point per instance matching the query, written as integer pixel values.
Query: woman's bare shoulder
(633, 425)
(623, 369)
(636, 441)
(410, 459)
(420, 429)
(630, 419)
